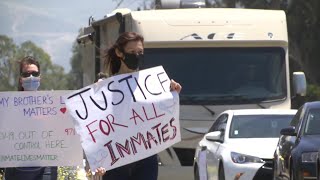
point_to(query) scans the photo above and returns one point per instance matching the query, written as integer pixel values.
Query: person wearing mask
(29, 80)
(125, 56)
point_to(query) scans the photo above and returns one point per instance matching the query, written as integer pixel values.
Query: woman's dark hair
(22, 63)
(112, 61)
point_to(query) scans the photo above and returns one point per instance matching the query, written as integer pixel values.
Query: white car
(240, 145)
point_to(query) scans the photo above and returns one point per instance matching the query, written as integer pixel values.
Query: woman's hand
(174, 86)
(100, 171)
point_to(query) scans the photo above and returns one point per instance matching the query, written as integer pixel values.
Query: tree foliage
(8, 51)
(75, 77)
(303, 25)
(52, 75)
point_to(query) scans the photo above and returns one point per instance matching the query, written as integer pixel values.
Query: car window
(222, 126)
(300, 126)
(220, 123)
(258, 126)
(295, 120)
(313, 122)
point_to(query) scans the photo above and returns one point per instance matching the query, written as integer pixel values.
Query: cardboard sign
(36, 130)
(126, 118)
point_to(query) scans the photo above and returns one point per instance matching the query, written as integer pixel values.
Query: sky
(53, 25)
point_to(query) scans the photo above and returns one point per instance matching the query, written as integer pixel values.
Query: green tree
(8, 70)
(75, 76)
(303, 25)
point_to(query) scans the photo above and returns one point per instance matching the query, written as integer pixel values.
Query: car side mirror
(290, 131)
(214, 136)
(299, 83)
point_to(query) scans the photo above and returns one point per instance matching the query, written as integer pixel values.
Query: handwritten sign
(36, 130)
(126, 118)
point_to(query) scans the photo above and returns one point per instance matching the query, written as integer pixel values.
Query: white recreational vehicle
(224, 59)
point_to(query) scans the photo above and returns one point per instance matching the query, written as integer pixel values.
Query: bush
(71, 173)
(313, 93)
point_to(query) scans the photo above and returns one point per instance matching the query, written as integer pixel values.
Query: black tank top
(31, 173)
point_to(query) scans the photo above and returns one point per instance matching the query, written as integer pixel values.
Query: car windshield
(313, 122)
(223, 75)
(258, 126)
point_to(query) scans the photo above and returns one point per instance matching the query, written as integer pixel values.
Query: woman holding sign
(125, 56)
(29, 80)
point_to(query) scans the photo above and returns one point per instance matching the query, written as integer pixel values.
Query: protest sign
(36, 130)
(126, 118)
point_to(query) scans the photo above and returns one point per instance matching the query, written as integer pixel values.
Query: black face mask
(133, 61)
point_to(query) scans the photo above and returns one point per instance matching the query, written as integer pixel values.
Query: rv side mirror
(299, 83)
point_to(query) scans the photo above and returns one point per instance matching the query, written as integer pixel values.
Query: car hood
(310, 142)
(258, 147)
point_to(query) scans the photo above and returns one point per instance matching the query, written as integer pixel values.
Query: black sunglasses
(28, 74)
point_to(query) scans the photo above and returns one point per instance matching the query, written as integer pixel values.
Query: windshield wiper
(261, 106)
(204, 100)
(208, 109)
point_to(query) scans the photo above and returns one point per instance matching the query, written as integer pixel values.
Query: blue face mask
(31, 83)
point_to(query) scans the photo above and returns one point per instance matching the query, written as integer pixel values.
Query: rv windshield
(223, 75)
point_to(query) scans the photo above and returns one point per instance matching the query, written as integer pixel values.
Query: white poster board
(36, 130)
(126, 118)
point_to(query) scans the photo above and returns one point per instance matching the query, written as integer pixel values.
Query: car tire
(221, 172)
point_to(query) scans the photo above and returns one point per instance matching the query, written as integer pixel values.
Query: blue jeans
(145, 169)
